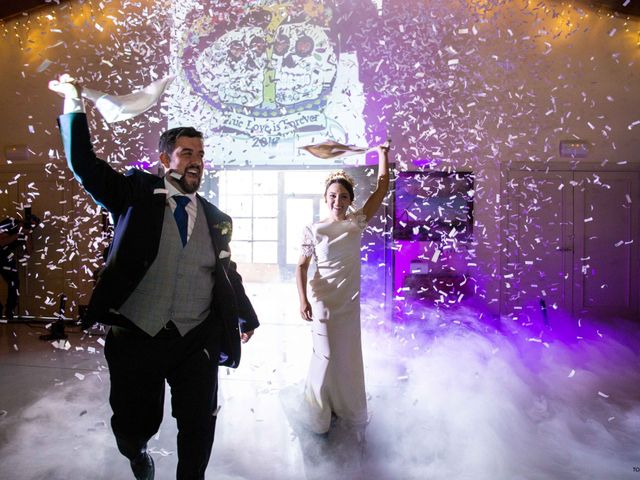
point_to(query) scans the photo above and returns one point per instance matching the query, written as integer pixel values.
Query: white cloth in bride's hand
(332, 149)
(116, 108)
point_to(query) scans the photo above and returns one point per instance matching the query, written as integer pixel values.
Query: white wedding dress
(335, 382)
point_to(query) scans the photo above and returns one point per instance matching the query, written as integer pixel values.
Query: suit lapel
(158, 206)
(216, 236)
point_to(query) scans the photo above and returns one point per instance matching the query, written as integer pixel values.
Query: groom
(176, 305)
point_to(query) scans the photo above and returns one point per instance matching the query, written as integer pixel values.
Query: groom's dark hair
(169, 138)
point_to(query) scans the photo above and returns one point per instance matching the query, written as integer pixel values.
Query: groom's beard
(187, 183)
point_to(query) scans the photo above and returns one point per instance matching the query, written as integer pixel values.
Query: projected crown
(274, 60)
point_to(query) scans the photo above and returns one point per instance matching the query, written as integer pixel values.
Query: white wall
(526, 77)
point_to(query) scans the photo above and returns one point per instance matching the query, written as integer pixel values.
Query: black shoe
(142, 467)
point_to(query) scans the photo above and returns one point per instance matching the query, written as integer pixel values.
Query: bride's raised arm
(375, 200)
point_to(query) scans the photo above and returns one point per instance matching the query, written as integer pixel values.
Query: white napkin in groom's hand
(115, 108)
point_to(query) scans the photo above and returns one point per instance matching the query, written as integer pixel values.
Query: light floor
(451, 397)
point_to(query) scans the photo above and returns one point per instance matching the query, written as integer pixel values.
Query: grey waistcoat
(179, 284)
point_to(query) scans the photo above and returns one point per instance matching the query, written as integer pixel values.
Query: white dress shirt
(73, 105)
(191, 208)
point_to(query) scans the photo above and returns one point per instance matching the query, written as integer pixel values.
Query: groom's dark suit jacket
(137, 200)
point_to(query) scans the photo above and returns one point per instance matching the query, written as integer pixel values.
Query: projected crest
(262, 78)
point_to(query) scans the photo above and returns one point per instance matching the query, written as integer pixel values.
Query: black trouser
(9, 272)
(138, 366)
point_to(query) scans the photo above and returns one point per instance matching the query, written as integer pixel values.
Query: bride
(331, 301)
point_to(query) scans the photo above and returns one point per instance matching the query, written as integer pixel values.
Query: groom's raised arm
(108, 188)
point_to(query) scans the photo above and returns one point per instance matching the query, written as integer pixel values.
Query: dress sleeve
(359, 218)
(308, 243)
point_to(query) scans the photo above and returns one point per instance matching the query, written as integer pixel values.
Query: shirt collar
(174, 191)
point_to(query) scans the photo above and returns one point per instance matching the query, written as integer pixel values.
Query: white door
(53, 268)
(606, 244)
(536, 253)
(570, 244)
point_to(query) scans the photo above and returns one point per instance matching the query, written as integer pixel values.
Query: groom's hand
(246, 336)
(66, 86)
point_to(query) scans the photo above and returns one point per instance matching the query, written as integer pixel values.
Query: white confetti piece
(57, 44)
(61, 344)
(44, 65)
(603, 395)
(572, 373)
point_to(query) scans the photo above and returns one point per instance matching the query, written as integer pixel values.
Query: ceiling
(11, 8)
(631, 9)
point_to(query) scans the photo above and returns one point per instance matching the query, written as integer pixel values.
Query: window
(269, 210)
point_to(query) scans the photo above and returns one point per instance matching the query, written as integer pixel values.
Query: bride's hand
(384, 148)
(305, 311)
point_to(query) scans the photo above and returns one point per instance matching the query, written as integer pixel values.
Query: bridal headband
(339, 175)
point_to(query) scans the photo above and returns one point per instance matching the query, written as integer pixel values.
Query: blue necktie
(180, 214)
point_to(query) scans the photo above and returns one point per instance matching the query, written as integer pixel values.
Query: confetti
(43, 66)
